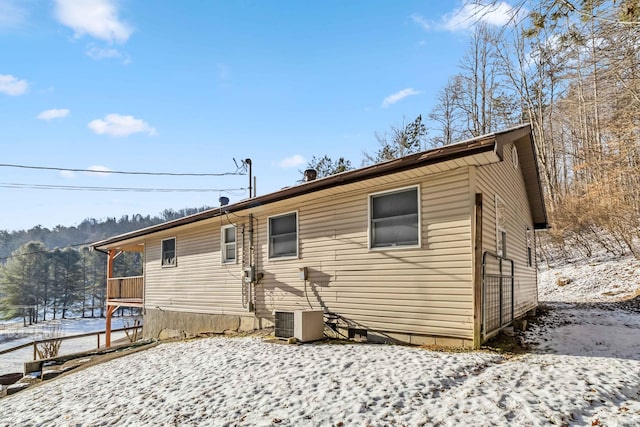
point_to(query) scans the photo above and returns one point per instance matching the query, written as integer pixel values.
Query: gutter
(468, 148)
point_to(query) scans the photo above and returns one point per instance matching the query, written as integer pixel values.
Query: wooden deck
(125, 291)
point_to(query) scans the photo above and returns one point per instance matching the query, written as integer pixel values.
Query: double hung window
(501, 227)
(228, 244)
(169, 252)
(283, 236)
(394, 219)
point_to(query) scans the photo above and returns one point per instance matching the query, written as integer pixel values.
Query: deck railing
(35, 343)
(125, 288)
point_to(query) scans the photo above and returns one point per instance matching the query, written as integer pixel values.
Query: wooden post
(477, 274)
(112, 254)
(35, 351)
(107, 331)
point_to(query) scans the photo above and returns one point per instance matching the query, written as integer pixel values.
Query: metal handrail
(64, 338)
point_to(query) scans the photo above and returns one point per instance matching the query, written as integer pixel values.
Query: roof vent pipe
(224, 201)
(310, 175)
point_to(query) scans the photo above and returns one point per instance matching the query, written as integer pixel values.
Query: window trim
(529, 243)
(286, 257)
(224, 244)
(371, 196)
(175, 253)
(500, 228)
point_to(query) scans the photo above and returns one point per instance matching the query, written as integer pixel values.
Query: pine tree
(24, 279)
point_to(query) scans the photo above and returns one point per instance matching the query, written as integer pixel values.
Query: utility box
(304, 325)
(308, 325)
(249, 274)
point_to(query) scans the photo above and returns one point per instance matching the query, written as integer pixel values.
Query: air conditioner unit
(304, 325)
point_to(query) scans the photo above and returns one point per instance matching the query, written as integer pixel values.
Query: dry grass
(51, 347)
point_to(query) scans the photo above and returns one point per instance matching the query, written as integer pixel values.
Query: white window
(228, 243)
(169, 252)
(394, 219)
(283, 235)
(501, 227)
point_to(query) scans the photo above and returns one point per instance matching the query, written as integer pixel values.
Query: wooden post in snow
(112, 254)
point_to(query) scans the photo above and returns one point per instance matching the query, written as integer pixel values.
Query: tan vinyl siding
(200, 282)
(403, 286)
(508, 183)
(425, 290)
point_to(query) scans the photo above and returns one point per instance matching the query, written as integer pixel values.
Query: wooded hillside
(572, 70)
(54, 270)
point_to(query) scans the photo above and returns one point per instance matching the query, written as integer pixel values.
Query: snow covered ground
(590, 280)
(13, 334)
(583, 368)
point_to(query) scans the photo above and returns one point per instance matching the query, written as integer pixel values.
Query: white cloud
(496, 14)
(103, 53)
(420, 20)
(99, 170)
(96, 18)
(292, 162)
(100, 53)
(10, 85)
(119, 125)
(11, 14)
(393, 98)
(54, 113)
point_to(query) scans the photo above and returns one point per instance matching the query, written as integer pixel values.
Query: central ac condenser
(303, 325)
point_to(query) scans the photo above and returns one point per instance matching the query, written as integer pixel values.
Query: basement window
(169, 252)
(394, 219)
(228, 244)
(283, 236)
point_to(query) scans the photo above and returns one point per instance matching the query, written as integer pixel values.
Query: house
(432, 248)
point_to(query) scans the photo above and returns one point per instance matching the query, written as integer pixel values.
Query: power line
(121, 189)
(241, 170)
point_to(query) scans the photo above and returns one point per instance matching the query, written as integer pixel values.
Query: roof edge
(480, 144)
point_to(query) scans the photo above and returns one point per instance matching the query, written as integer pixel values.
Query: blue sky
(185, 87)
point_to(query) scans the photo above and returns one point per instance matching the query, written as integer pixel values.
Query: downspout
(251, 265)
(248, 272)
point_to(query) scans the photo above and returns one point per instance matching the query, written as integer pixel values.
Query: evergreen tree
(66, 280)
(401, 141)
(325, 166)
(24, 279)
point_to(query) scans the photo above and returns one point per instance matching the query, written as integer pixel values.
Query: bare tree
(446, 114)
(399, 142)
